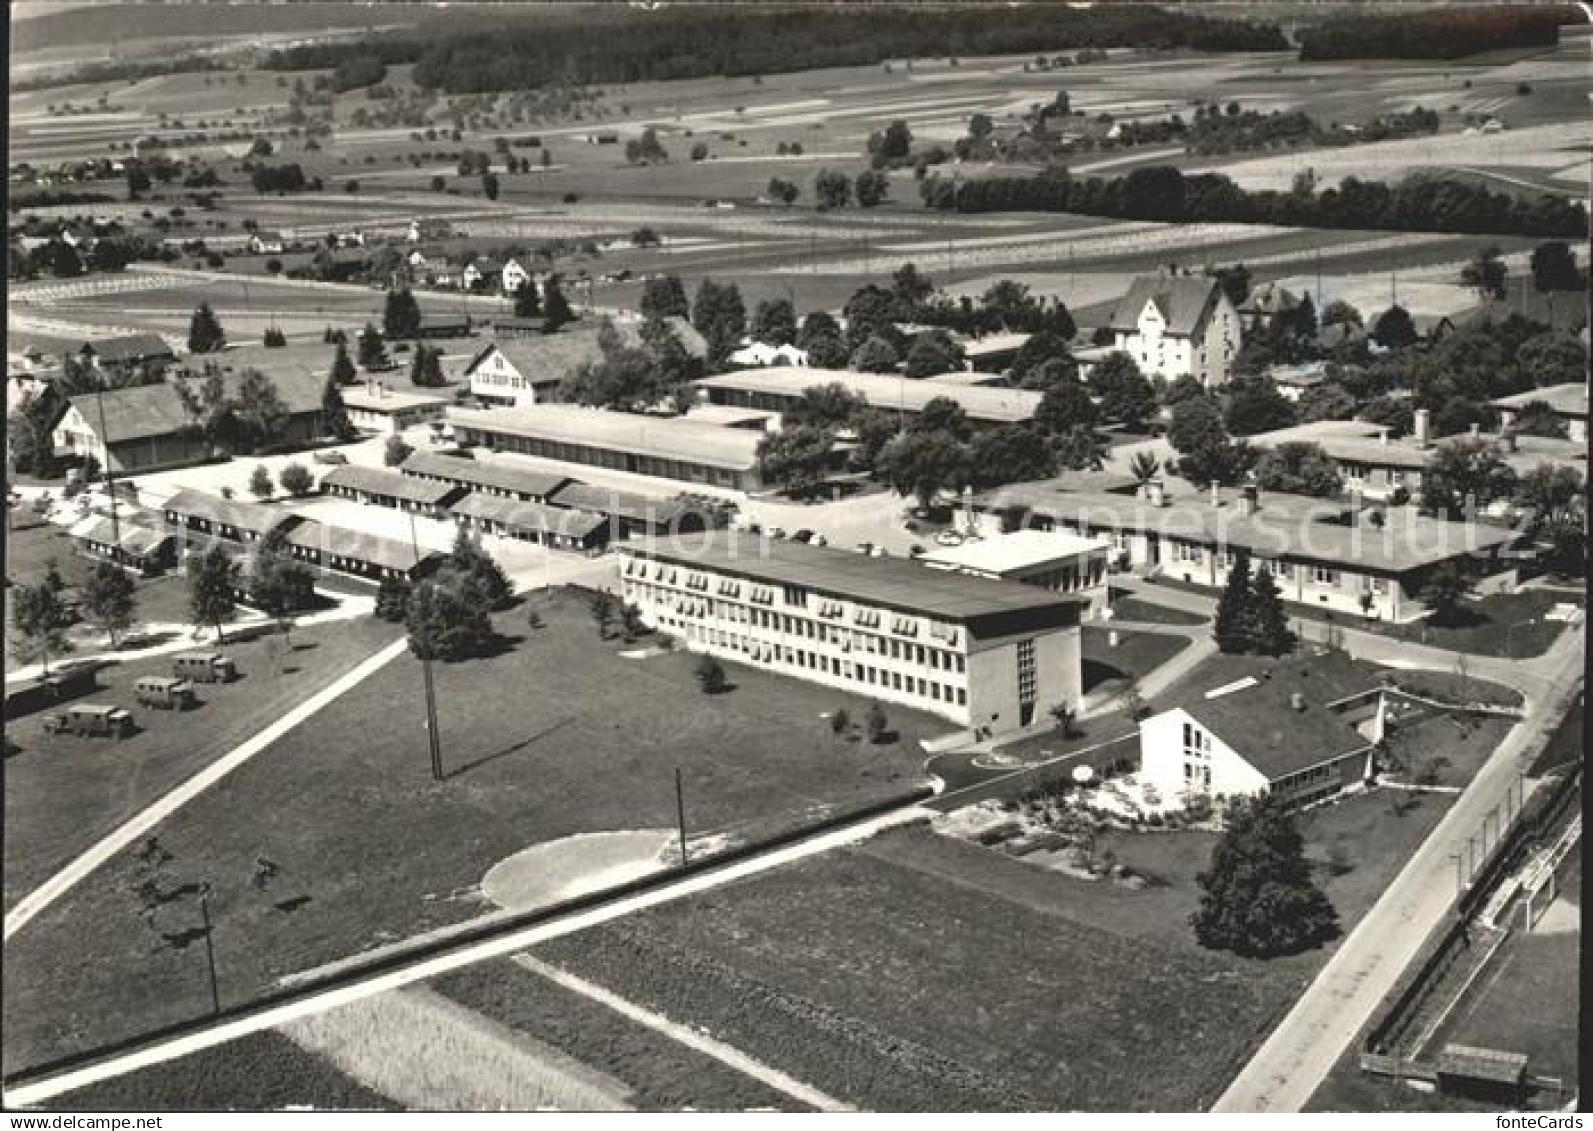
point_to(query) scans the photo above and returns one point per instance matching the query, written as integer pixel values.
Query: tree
(1043, 346)
(1552, 358)
(400, 316)
(719, 315)
(372, 351)
(942, 414)
(1127, 395)
(892, 147)
(664, 296)
(1258, 899)
(1235, 628)
(1080, 448)
(1325, 402)
(1299, 467)
(1065, 405)
(274, 338)
(1196, 424)
(1271, 623)
(832, 189)
(261, 485)
(343, 371)
(797, 459)
(631, 623)
(296, 479)
(840, 722)
(1465, 472)
(213, 585)
(876, 724)
(646, 149)
(872, 311)
(604, 608)
(447, 619)
(1255, 405)
(774, 322)
(1184, 387)
(1010, 453)
(108, 597)
(1485, 274)
(40, 620)
(1538, 418)
(489, 185)
(279, 583)
(137, 180)
(527, 300)
(204, 331)
(783, 191)
(871, 188)
(932, 353)
(827, 352)
(1394, 329)
(1553, 498)
(911, 287)
(30, 433)
(392, 599)
(921, 464)
(1340, 313)
(1234, 281)
(470, 560)
(710, 676)
(425, 368)
(334, 414)
(1553, 270)
(875, 355)
(396, 451)
(1444, 591)
(556, 310)
(1144, 467)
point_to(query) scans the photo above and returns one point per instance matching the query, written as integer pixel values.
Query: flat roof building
(1052, 559)
(667, 447)
(776, 388)
(387, 412)
(991, 655)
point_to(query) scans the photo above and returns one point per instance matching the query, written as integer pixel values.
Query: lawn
(663, 1074)
(1135, 655)
(263, 1071)
(1501, 624)
(1133, 609)
(1565, 746)
(1449, 747)
(571, 737)
(63, 793)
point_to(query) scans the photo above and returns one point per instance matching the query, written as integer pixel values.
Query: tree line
(1421, 203)
(587, 45)
(1436, 33)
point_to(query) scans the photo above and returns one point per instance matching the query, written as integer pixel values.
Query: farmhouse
(1304, 729)
(514, 276)
(668, 447)
(1264, 305)
(486, 477)
(383, 487)
(385, 412)
(1343, 556)
(141, 428)
(126, 351)
(558, 528)
(990, 655)
(520, 370)
(1177, 325)
(481, 273)
(1052, 559)
(429, 228)
(776, 388)
(1567, 402)
(127, 542)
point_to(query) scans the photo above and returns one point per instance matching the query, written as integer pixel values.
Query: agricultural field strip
(498, 947)
(43, 896)
(1124, 227)
(686, 1035)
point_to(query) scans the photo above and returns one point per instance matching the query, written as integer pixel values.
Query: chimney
(1382, 436)
(1511, 443)
(1424, 428)
(1155, 493)
(1248, 502)
(1476, 430)
(1296, 701)
(1216, 494)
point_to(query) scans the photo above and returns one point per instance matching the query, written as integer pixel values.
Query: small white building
(377, 409)
(1058, 560)
(762, 353)
(1173, 325)
(514, 276)
(266, 243)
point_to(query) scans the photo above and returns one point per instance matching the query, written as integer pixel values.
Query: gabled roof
(128, 348)
(622, 504)
(135, 413)
(674, 438)
(1183, 300)
(137, 539)
(389, 553)
(480, 472)
(1565, 400)
(546, 358)
(529, 516)
(486, 266)
(298, 373)
(1270, 298)
(394, 484)
(254, 517)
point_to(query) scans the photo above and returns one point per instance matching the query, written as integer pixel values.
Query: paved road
(492, 948)
(1297, 1057)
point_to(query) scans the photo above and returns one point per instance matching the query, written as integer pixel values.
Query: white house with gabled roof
(1173, 325)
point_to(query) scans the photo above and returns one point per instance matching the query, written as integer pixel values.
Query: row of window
(603, 457)
(868, 675)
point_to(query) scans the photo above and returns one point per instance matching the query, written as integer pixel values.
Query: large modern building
(1052, 559)
(667, 447)
(776, 388)
(1349, 557)
(991, 655)
(1173, 325)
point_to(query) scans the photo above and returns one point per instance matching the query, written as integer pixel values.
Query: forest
(609, 45)
(1435, 33)
(1420, 203)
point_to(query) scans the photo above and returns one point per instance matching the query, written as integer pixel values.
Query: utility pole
(680, 812)
(110, 479)
(433, 739)
(210, 949)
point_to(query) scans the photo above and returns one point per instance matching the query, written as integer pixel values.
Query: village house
(479, 274)
(126, 351)
(267, 243)
(429, 228)
(762, 353)
(514, 276)
(522, 370)
(1177, 325)
(1265, 305)
(1568, 403)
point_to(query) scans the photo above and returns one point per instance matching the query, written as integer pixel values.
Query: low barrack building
(558, 528)
(991, 655)
(488, 477)
(778, 387)
(383, 487)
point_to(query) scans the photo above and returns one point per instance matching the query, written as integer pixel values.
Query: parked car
(337, 458)
(818, 540)
(204, 667)
(915, 551)
(948, 538)
(775, 532)
(92, 720)
(164, 693)
(802, 536)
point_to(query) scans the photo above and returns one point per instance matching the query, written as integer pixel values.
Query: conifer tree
(1235, 624)
(1272, 635)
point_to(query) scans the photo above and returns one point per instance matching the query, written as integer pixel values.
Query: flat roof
(967, 377)
(669, 437)
(1004, 553)
(1566, 400)
(727, 415)
(980, 402)
(390, 401)
(1293, 527)
(1005, 342)
(894, 583)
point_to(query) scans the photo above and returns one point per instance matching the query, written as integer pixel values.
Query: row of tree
(1436, 33)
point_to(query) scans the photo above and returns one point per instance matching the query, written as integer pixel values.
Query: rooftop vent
(1297, 701)
(1230, 688)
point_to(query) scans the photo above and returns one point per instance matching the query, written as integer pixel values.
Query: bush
(710, 676)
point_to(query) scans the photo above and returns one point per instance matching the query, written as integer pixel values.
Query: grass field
(1135, 655)
(1566, 744)
(1501, 624)
(1148, 612)
(260, 1072)
(373, 851)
